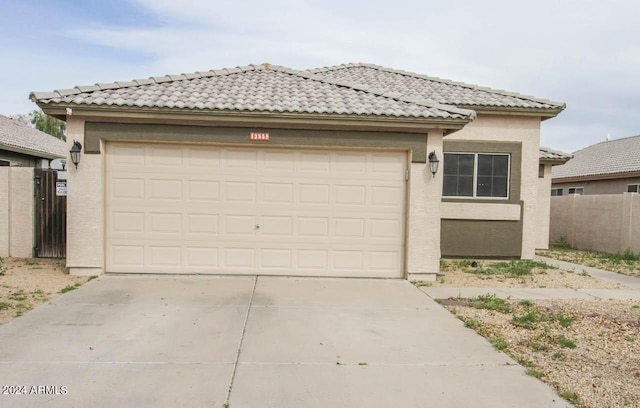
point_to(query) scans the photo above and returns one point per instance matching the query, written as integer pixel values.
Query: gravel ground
(26, 283)
(588, 350)
(459, 274)
(626, 265)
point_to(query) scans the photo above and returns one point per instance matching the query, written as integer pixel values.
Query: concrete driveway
(255, 342)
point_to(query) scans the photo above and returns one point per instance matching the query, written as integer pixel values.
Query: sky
(584, 53)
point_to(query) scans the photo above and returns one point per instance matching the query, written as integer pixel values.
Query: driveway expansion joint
(244, 330)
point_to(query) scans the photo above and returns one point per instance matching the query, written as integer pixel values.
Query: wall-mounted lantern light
(433, 162)
(75, 153)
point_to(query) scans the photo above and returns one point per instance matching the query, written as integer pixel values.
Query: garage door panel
(164, 156)
(239, 258)
(127, 188)
(240, 191)
(213, 209)
(127, 155)
(277, 193)
(203, 157)
(350, 195)
(239, 225)
(278, 160)
(348, 227)
(165, 189)
(202, 257)
(244, 159)
(126, 255)
(275, 258)
(160, 255)
(127, 222)
(348, 260)
(386, 164)
(276, 226)
(203, 190)
(208, 224)
(313, 194)
(165, 223)
(314, 161)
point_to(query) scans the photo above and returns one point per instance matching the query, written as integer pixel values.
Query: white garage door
(244, 210)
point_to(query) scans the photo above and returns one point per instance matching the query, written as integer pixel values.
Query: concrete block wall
(605, 223)
(16, 212)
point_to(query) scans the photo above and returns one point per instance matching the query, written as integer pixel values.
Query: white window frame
(637, 188)
(558, 189)
(575, 192)
(475, 176)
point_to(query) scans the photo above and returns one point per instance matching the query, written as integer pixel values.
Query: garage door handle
(257, 226)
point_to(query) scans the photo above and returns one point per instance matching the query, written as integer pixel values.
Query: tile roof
(554, 156)
(18, 137)
(254, 88)
(444, 91)
(610, 157)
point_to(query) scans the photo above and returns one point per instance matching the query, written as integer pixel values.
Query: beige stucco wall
(543, 211)
(85, 204)
(524, 129)
(606, 223)
(21, 216)
(423, 218)
(16, 212)
(475, 211)
(4, 211)
(85, 208)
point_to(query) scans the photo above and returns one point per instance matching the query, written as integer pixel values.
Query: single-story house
(262, 169)
(22, 145)
(609, 167)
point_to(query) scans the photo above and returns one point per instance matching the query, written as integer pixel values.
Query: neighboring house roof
(553, 157)
(20, 138)
(412, 85)
(620, 158)
(253, 88)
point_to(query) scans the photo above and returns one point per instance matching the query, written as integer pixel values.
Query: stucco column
(85, 208)
(423, 225)
(21, 212)
(4, 211)
(543, 213)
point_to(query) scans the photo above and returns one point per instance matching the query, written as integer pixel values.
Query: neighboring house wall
(543, 212)
(611, 186)
(500, 128)
(16, 212)
(18, 159)
(606, 223)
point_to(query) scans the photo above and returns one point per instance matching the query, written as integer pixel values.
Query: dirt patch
(27, 283)
(514, 274)
(588, 350)
(626, 264)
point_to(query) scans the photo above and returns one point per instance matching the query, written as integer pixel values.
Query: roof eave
(543, 113)
(29, 152)
(592, 177)
(555, 162)
(59, 110)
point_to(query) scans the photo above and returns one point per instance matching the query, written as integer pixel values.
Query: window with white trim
(576, 190)
(476, 175)
(633, 188)
(556, 192)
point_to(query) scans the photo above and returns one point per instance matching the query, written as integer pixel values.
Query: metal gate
(51, 215)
